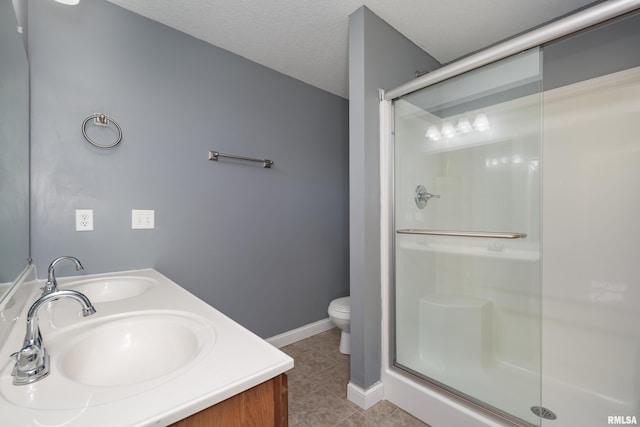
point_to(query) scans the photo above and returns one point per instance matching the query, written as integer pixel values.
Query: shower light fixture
(481, 123)
(69, 2)
(448, 130)
(433, 133)
(463, 126)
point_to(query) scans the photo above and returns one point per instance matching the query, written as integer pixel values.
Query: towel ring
(101, 120)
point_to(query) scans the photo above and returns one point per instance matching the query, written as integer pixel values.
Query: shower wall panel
(591, 342)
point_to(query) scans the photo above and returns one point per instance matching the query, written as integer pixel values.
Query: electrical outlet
(84, 219)
(143, 219)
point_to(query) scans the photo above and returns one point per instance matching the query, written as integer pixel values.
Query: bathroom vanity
(152, 355)
(262, 405)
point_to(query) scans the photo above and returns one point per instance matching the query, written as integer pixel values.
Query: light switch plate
(143, 219)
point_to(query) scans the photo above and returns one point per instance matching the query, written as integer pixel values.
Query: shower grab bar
(485, 234)
(214, 155)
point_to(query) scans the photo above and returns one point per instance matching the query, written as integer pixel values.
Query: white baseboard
(301, 333)
(365, 398)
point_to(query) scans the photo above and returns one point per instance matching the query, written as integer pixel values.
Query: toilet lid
(341, 305)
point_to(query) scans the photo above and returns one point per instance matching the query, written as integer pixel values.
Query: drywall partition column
(379, 57)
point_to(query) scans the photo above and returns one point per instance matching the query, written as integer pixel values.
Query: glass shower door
(467, 235)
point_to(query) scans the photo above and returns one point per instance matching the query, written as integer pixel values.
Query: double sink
(151, 355)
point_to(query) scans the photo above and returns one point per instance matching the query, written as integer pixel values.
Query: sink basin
(111, 288)
(133, 349)
(113, 358)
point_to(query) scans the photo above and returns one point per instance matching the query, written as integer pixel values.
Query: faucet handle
(27, 358)
(32, 364)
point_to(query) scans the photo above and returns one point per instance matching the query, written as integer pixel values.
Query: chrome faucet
(52, 284)
(32, 360)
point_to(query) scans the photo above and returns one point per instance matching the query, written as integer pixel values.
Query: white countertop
(231, 360)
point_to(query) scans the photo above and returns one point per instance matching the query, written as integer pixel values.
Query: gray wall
(379, 57)
(268, 247)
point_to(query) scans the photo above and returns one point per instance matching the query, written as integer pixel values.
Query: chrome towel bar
(485, 234)
(214, 155)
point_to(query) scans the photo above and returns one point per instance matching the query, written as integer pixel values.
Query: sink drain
(543, 412)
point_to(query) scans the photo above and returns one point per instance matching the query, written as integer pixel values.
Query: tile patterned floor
(318, 389)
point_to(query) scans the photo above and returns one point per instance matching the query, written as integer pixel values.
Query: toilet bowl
(340, 314)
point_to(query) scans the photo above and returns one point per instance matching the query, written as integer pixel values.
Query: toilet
(340, 314)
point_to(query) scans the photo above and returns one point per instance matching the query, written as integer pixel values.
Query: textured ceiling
(307, 39)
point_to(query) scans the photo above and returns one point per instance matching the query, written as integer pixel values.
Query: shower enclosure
(514, 287)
